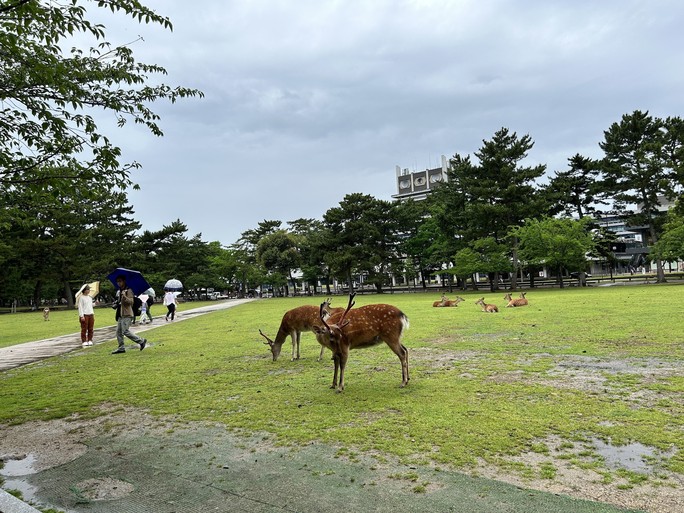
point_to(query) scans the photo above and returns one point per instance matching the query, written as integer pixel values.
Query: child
(144, 318)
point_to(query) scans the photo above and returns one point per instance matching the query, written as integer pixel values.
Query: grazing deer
(46, 314)
(294, 322)
(521, 301)
(486, 307)
(448, 302)
(364, 327)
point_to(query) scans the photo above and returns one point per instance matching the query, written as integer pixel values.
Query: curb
(10, 504)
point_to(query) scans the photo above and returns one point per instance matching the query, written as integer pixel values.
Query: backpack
(137, 306)
(150, 301)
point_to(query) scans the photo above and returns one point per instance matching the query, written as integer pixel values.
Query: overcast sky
(309, 100)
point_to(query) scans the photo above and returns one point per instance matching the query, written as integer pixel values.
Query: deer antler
(322, 315)
(269, 341)
(341, 324)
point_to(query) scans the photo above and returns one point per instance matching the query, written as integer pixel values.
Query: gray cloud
(308, 101)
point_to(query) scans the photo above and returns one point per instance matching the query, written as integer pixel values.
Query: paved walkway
(29, 352)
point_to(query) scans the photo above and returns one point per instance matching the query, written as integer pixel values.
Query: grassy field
(573, 367)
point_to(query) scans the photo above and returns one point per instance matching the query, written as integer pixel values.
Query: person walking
(124, 317)
(170, 301)
(86, 316)
(144, 318)
(150, 302)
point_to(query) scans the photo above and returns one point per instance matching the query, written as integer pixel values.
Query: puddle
(19, 467)
(28, 492)
(635, 457)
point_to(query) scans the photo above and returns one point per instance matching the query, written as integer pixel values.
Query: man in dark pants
(124, 316)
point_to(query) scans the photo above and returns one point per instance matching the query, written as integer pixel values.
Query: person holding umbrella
(170, 301)
(124, 315)
(86, 316)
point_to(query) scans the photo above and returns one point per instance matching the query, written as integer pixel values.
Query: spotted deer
(486, 307)
(521, 301)
(448, 302)
(294, 322)
(363, 327)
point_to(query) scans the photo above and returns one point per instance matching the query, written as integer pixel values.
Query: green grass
(483, 386)
(29, 326)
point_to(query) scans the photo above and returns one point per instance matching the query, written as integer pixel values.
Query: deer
(448, 302)
(486, 307)
(364, 327)
(454, 302)
(521, 301)
(294, 322)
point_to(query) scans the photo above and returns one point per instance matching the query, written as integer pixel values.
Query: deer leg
(320, 356)
(344, 354)
(299, 339)
(402, 352)
(336, 359)
(404, 367)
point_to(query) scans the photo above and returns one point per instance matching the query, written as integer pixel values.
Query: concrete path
(29, 352)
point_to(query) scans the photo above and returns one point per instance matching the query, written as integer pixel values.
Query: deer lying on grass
(521, 301)
(448, 302)
(486, 307)
(294, 322)
(364, 327)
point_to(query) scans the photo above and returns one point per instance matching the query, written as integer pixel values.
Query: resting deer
(294, 322)
(521, 301)
(486, 307)
(448, 302)
(364, 327)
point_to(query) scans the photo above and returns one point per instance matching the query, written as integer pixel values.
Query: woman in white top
(170, 301)
(86, 316)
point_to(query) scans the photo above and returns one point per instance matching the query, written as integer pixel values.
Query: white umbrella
(173, 285)
(150, 292)
(94, 289)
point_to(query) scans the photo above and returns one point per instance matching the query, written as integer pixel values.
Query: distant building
(418, 184)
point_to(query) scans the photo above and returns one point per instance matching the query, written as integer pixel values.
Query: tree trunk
(67, 294)
(37, 290)
(660, 272)
(350, 281)
(514, 274)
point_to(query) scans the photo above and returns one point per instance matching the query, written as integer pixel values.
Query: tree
(360, 237)
(466, 265)
(560, 244)
(637, 170)
(47, 134)
(494, 259)
(575, 190)
(308, 239)
(414, 243)
(278, 253)
(670, 246)
(488, 198)
(66, 236)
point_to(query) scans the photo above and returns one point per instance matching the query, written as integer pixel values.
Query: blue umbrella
(134, 280)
